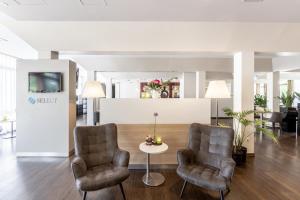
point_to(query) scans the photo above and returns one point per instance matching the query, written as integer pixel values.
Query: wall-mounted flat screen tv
(45, 82)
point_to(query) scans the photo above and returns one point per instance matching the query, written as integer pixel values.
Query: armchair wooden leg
(222, 195)
(183, 187)
(228, 190)
(122, 190)
(84, 196)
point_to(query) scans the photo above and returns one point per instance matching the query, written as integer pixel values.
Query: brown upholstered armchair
(98, 162)
(207, 162)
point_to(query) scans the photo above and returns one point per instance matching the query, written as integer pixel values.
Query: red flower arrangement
(155, 85)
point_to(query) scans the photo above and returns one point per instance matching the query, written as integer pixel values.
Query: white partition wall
(46, 120)
(140, 111)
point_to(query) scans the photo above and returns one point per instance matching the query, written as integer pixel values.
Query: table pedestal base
(153, 179)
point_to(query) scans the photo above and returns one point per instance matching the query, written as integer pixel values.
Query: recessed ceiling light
(252, 1)
(93, 2)
(3, 39)
(3, 3)
(30, 2)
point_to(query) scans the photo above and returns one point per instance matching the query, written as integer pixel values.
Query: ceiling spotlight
(3, 3)
(3, 39)
(252, 1)
(105, 2)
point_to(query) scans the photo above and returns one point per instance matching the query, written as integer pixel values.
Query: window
(7, 86)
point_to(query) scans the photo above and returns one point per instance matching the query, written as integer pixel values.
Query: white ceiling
(152, 10)
(12, 45)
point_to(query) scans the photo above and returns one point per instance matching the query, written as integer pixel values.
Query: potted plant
(287, 99)
(260, 100)
(242, 126)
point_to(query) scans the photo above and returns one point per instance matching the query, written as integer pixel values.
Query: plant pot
(240, 156)
(155, 94)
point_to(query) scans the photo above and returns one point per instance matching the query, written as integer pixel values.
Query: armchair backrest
(210, 144)
(96, 145)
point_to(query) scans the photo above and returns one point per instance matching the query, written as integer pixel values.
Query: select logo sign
(32, 100)
(42, 100)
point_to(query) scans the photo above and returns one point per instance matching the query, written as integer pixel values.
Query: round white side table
(151, 178)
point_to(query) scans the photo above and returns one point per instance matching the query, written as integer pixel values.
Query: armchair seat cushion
(101, 177)
(203, 176)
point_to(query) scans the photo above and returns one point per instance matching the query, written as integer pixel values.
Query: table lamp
(217, 90)
(93, 90)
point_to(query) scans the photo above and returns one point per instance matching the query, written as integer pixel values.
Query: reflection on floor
(273, 174)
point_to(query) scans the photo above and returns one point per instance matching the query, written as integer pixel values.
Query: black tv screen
(45, 82)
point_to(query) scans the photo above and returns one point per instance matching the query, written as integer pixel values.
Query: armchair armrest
(121, 158)
(79, 167)
(227, 168)
(185, 156)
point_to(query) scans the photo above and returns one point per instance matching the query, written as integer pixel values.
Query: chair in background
(207, 162)
(276, 118)
(99, 163)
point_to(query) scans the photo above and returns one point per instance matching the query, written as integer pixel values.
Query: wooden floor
(273, 174)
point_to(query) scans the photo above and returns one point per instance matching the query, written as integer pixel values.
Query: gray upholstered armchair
(207, 161)
(99, 163)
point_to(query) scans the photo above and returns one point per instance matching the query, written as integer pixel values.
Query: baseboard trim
(221, 117)
(153, 166)
(250, 154)
(41, 154)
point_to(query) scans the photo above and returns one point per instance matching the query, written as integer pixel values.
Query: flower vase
(155, 94)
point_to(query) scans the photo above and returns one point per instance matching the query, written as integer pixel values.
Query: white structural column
(244, 88)
(90, 102)
(189, 85)
(108, 88)
(48, 55)
(200, 84)
(273, 90)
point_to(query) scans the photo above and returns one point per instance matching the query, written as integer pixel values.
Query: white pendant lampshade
(217, 90)
(93, 89)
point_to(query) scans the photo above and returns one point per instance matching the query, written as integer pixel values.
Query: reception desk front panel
(140, 111)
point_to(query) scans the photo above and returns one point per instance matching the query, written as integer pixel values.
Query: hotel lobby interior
(149, 100)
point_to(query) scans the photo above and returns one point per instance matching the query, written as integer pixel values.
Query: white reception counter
(140, 111)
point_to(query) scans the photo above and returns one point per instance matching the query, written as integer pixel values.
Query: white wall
(46, 129)
(129, 89)
(140, 111)
(286, 63)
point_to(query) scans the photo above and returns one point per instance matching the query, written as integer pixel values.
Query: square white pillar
(273, 91)
(244, 89)
(188, 85)
(108, 84)
(90, 102)
(200, 84)
(49, 55)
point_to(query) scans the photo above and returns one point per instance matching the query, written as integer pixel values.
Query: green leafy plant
(287, 98)
(260, 100)
(242, 124)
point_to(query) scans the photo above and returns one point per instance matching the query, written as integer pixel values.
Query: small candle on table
(158, 140)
